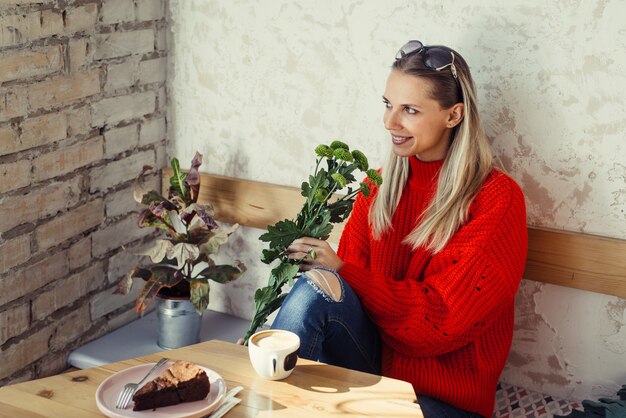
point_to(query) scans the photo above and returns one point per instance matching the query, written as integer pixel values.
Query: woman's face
(418, 125)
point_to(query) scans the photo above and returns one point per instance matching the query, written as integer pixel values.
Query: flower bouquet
(321, 209)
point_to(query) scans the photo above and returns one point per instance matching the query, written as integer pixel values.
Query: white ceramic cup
(273, 353)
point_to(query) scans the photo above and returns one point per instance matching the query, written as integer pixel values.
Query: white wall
(256, 85)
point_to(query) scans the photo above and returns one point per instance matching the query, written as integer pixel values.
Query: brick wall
(82, 109)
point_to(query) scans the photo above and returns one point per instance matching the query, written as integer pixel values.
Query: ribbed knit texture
(446, 320)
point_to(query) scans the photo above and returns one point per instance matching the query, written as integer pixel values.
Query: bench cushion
(516, 402)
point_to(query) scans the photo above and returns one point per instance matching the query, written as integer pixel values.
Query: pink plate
(110, 388)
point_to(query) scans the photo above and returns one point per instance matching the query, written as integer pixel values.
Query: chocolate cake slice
(181, 382)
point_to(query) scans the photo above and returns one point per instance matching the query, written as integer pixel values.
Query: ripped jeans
(338, 333)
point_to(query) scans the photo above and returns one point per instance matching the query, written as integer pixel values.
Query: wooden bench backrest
(581, 261)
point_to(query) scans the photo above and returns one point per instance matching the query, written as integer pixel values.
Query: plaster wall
(256, 85)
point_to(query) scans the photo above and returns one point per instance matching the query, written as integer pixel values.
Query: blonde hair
(467, 163)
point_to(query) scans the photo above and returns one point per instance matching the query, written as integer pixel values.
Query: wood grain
(312, 390)
(581, 261)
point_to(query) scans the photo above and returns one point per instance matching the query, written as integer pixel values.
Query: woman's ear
(455, 115)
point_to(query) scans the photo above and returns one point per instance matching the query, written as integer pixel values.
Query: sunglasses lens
(409, 48)
(437, 58)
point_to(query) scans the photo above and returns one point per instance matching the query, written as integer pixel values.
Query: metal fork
(129, 388)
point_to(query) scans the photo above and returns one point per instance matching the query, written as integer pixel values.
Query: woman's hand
(312, 253)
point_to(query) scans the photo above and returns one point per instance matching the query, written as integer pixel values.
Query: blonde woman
(422, 286)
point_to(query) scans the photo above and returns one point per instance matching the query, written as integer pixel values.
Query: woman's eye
(387, 104)
(410, 110)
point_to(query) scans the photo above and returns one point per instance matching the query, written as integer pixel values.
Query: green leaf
(322, 228)
(270, 255)
(280, 275)
(199, 295)
(223, 273)
(177, 181)
(340, 210)
(147, 295)
(281, 234)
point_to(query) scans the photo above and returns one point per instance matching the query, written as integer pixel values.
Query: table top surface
(313, 389)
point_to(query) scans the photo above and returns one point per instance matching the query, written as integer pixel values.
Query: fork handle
(156, 366)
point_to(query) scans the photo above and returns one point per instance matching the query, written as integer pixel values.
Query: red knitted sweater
(446, 320)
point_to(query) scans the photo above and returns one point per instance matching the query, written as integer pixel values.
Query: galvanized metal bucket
(178, 323)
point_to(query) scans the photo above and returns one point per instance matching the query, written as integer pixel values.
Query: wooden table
(312, 390)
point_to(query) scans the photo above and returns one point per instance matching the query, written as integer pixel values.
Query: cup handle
(274, 365)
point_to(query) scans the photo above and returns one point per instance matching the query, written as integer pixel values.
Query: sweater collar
(424, 174)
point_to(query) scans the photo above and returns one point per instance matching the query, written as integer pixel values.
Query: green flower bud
(375, 176)
(321, 195)
(338, 144)
(339, 179)
(322, 150)
(361, 160)
(343, 154)
(365, 189)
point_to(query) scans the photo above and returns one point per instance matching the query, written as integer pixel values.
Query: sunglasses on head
(434, 57)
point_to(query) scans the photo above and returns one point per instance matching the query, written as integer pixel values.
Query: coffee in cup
(274, 353)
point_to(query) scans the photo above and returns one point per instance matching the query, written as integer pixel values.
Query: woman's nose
(391, 120)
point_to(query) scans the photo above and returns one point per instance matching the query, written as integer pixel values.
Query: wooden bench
(581, 261)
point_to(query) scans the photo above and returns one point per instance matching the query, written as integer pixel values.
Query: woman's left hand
(313, 253)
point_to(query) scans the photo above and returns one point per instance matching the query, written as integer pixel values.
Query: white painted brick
(150, 10)
(78, 54)
(122, 75)
(69, 328)
(119, 140)
(121, 44)
(79, 253)
(16, 357)
(66, 160)
(64, 89)
(122, 201)
(121, 171)
(112, 110)
(14, 252)
(123, 319)
(152, 71)
(14, 321)
(51, 23)
(15, 29)
(114, 236)
(82, 18)
(79, 121)
(14, 175)
(117, 11)
(122, 262)
(106, 301)
(39, 203)
(161, 39)
(33, 277)
(26, 63)
(41, 130)
(69, 224)
(67, 291)
(13, 102)
(152, 131)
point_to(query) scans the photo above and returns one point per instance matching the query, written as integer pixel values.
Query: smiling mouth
(399, 140)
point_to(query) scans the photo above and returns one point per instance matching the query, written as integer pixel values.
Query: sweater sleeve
(462, 288)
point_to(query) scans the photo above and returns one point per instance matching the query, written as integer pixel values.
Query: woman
(422, 286)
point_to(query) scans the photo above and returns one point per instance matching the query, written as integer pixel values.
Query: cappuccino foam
(275, 341)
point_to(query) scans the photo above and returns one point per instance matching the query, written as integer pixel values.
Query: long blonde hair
(467, 163)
